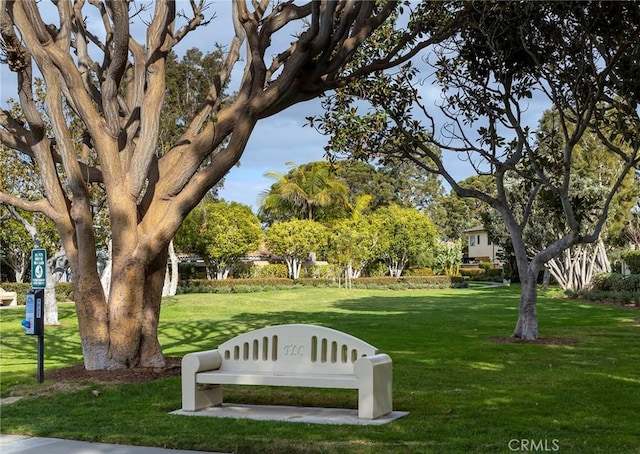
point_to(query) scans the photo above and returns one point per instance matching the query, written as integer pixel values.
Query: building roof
(479, 228)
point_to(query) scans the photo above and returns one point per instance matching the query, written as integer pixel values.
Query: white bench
(290, 355)
(8, 298)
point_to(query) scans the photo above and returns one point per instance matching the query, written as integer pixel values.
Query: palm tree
(310, 191)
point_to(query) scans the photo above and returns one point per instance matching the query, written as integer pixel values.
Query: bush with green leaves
(272, 270)
(419, 271)
(632, 259)
(253, 285)
(615, 282)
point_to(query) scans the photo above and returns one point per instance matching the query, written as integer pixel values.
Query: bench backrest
(294, 348)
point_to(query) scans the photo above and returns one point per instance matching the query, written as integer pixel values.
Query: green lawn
(465, 393)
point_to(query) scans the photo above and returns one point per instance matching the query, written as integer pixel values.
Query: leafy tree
(352, 241)
(311, 191)
(295, 241)
(592, 160)
(594, 170)
(581, 57)
(15, 244)
(220, 233)
(21, 229)
(413, 187)
(392, 182)
(364, 179)
(115, 86)
(574, 266)
(403, 234)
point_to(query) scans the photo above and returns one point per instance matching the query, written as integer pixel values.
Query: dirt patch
(134, 375)
(539, 341)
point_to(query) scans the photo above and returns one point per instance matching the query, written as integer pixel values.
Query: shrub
(632, 282)
(64, 291)
(615, 282)
(486, 266)
(632, 259)
(273, 270)
(376, 269)
(418, 271)
(322, 271)
(599, 282)
(609, 296)
(242, 270)
(493, 272)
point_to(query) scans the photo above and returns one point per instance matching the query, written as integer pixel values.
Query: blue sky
(275, 140)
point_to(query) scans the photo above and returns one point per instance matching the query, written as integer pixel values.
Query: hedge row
(64, 290)
(255, 285)
(486, 274)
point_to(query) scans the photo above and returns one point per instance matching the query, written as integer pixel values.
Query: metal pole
(40, 375)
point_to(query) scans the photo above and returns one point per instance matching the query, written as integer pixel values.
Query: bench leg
(375, 377)
(196, 397)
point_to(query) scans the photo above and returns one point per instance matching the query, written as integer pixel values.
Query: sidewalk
(19, 444)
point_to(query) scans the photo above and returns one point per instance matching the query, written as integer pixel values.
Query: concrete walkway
(19, 444)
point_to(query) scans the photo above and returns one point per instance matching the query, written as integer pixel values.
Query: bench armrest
(194, 398)
(193, 363)
(375, 375)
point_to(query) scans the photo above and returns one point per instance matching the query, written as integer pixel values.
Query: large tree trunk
(150, 350)
(134, 310)
(528, 270)
(124, 332)
(527, 324)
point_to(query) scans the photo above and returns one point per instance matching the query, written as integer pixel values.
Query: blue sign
(38, 268)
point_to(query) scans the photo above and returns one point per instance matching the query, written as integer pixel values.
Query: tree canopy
(581, 57)
(110, 86)
(402, 235)
(310, 191)
(295, 241)
(220, 233)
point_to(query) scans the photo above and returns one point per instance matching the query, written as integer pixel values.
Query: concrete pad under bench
(308, 415)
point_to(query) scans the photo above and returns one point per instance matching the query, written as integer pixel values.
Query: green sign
(38, 268)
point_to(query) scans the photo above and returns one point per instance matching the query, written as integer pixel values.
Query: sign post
(34, 316)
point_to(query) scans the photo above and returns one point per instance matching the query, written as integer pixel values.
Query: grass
(464, 392)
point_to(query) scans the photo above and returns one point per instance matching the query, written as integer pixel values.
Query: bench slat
(306, 381)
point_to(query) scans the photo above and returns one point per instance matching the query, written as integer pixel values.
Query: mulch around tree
(538, 341)
(133, 375)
